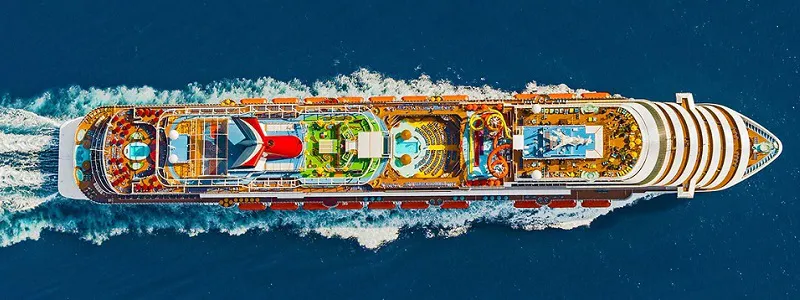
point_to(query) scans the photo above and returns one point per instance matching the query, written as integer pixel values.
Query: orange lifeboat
(596, 203)
(598, 95)
(314, 206)
(414, 205)
(455, 205)
(381, 205)
(252, 206)
(563, 204)
(320, 100)
(354, 205)
(283, 206)
(351, 99)
(526, 204)
(284, 100)
(381, 99)
(248, 101)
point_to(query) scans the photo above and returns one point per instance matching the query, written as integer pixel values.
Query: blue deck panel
(180, 147)
(538, 146)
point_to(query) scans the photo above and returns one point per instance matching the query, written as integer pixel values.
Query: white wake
(23, 143)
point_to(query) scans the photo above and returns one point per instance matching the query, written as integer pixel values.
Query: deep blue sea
(58, 59)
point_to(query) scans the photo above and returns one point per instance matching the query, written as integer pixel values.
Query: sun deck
(577, 141)
(342, 148)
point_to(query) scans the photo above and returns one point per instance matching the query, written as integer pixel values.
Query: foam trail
(21, 122)
(370, 238)
(27, 127)
(10, 142)
(13, 178)
(19, 203)
(20, 160)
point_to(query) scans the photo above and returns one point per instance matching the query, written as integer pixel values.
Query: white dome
(173, 158)
(536, 174)
(537, 108)
(173, 135)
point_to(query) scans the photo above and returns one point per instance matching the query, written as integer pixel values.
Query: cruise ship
(537, 151)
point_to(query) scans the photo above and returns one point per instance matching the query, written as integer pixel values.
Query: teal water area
(406, 147)
(137, 151)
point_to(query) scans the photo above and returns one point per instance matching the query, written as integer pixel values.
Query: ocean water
(59, 60)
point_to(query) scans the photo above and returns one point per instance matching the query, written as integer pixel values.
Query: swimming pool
(137, 151)
(406, 147)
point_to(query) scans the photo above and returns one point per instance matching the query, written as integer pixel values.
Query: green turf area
(331, 133)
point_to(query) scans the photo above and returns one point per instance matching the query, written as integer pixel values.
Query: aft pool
(137, 151)
(406, 147)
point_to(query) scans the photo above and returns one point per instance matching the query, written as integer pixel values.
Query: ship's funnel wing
(256, 144)
(252, 142)
(67, 171)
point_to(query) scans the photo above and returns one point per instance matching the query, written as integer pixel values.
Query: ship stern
(67, 183)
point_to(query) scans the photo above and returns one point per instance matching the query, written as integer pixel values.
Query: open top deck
(350, 146)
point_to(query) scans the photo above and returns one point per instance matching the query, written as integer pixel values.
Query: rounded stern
(67, 183)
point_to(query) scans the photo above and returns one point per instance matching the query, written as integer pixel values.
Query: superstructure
(412, 152)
